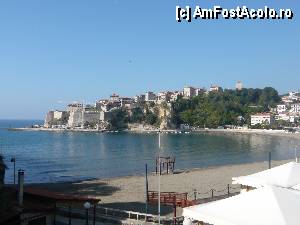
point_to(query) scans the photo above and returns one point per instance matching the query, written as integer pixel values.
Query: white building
(285, 117)
(189, 92)
(139, 98)
(150, 96)
(175, 95)
(75, 118)
(74, 107)
(262, 118)
(239, 86)
(294, 96)
(215, 88)
(295, 108)
(126, 102)
(114, 97)
(163, 96)
(281, 108)
(286, 100)
(48, 119)
(200, 91)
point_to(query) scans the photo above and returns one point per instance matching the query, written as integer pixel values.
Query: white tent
(287, 175)
(263, 206)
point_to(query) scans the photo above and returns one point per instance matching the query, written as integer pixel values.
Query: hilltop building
(114, 97)
(126, 102)
(175, 95)
(139, 98)
(239, 86)
(163, 96)
(150, 97)
(189, 92)
(214, 88)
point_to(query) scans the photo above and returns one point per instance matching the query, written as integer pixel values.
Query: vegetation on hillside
(228, 107)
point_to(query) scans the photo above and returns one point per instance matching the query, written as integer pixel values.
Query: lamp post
(87, 206)
(159, 177)
(13, 160)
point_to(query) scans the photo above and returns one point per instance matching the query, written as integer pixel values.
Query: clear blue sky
(68, 50)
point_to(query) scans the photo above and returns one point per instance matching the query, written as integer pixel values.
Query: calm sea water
(67, 156)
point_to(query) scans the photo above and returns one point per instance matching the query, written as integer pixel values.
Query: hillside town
(159, 107)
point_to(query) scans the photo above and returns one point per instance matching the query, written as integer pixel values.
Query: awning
(263, 206)
(287, 175)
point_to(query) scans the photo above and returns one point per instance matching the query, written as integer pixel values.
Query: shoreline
(281, 133)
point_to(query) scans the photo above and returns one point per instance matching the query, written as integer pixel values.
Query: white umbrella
(286, 175)
(263, 206)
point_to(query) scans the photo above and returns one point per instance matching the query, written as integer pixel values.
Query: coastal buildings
(239, 86)
(281, 108)
(214, 88)
(295, 108)
(48, 119)
(75, 118)
(163, 96)
(56, 117)
(150, 96)
(189, 92)
(139, 98)
(147, 107)
(74, 107)
(262, 118)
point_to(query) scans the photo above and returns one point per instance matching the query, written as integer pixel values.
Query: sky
(55, 52)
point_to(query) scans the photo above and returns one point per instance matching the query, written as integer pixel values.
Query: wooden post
(156, 165)
(228, 189)
(212, 193)
(195, 194)
(94, 219)
(270, 160)
(174, 202)
(159, 167)
(70, 215)
(147, 195)
(175, 214)
(54, 217)
(167, 167)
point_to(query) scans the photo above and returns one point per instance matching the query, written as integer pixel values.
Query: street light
(159, 177)
(87, 206)
(13, 160)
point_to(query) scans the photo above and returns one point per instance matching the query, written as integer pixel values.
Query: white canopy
(263, 206)
(286, 175)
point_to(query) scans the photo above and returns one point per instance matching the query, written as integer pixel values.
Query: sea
(73, 156)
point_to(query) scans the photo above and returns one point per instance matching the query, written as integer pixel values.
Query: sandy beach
(128, 193)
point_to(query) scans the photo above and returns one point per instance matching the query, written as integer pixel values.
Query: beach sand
(128, 193)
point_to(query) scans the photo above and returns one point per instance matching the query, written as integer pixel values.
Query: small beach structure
(286, 175)
(166, 164)
(262, 206)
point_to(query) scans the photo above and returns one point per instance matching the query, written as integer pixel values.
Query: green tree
(119, 119)
(223, 107)
(137, 115)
